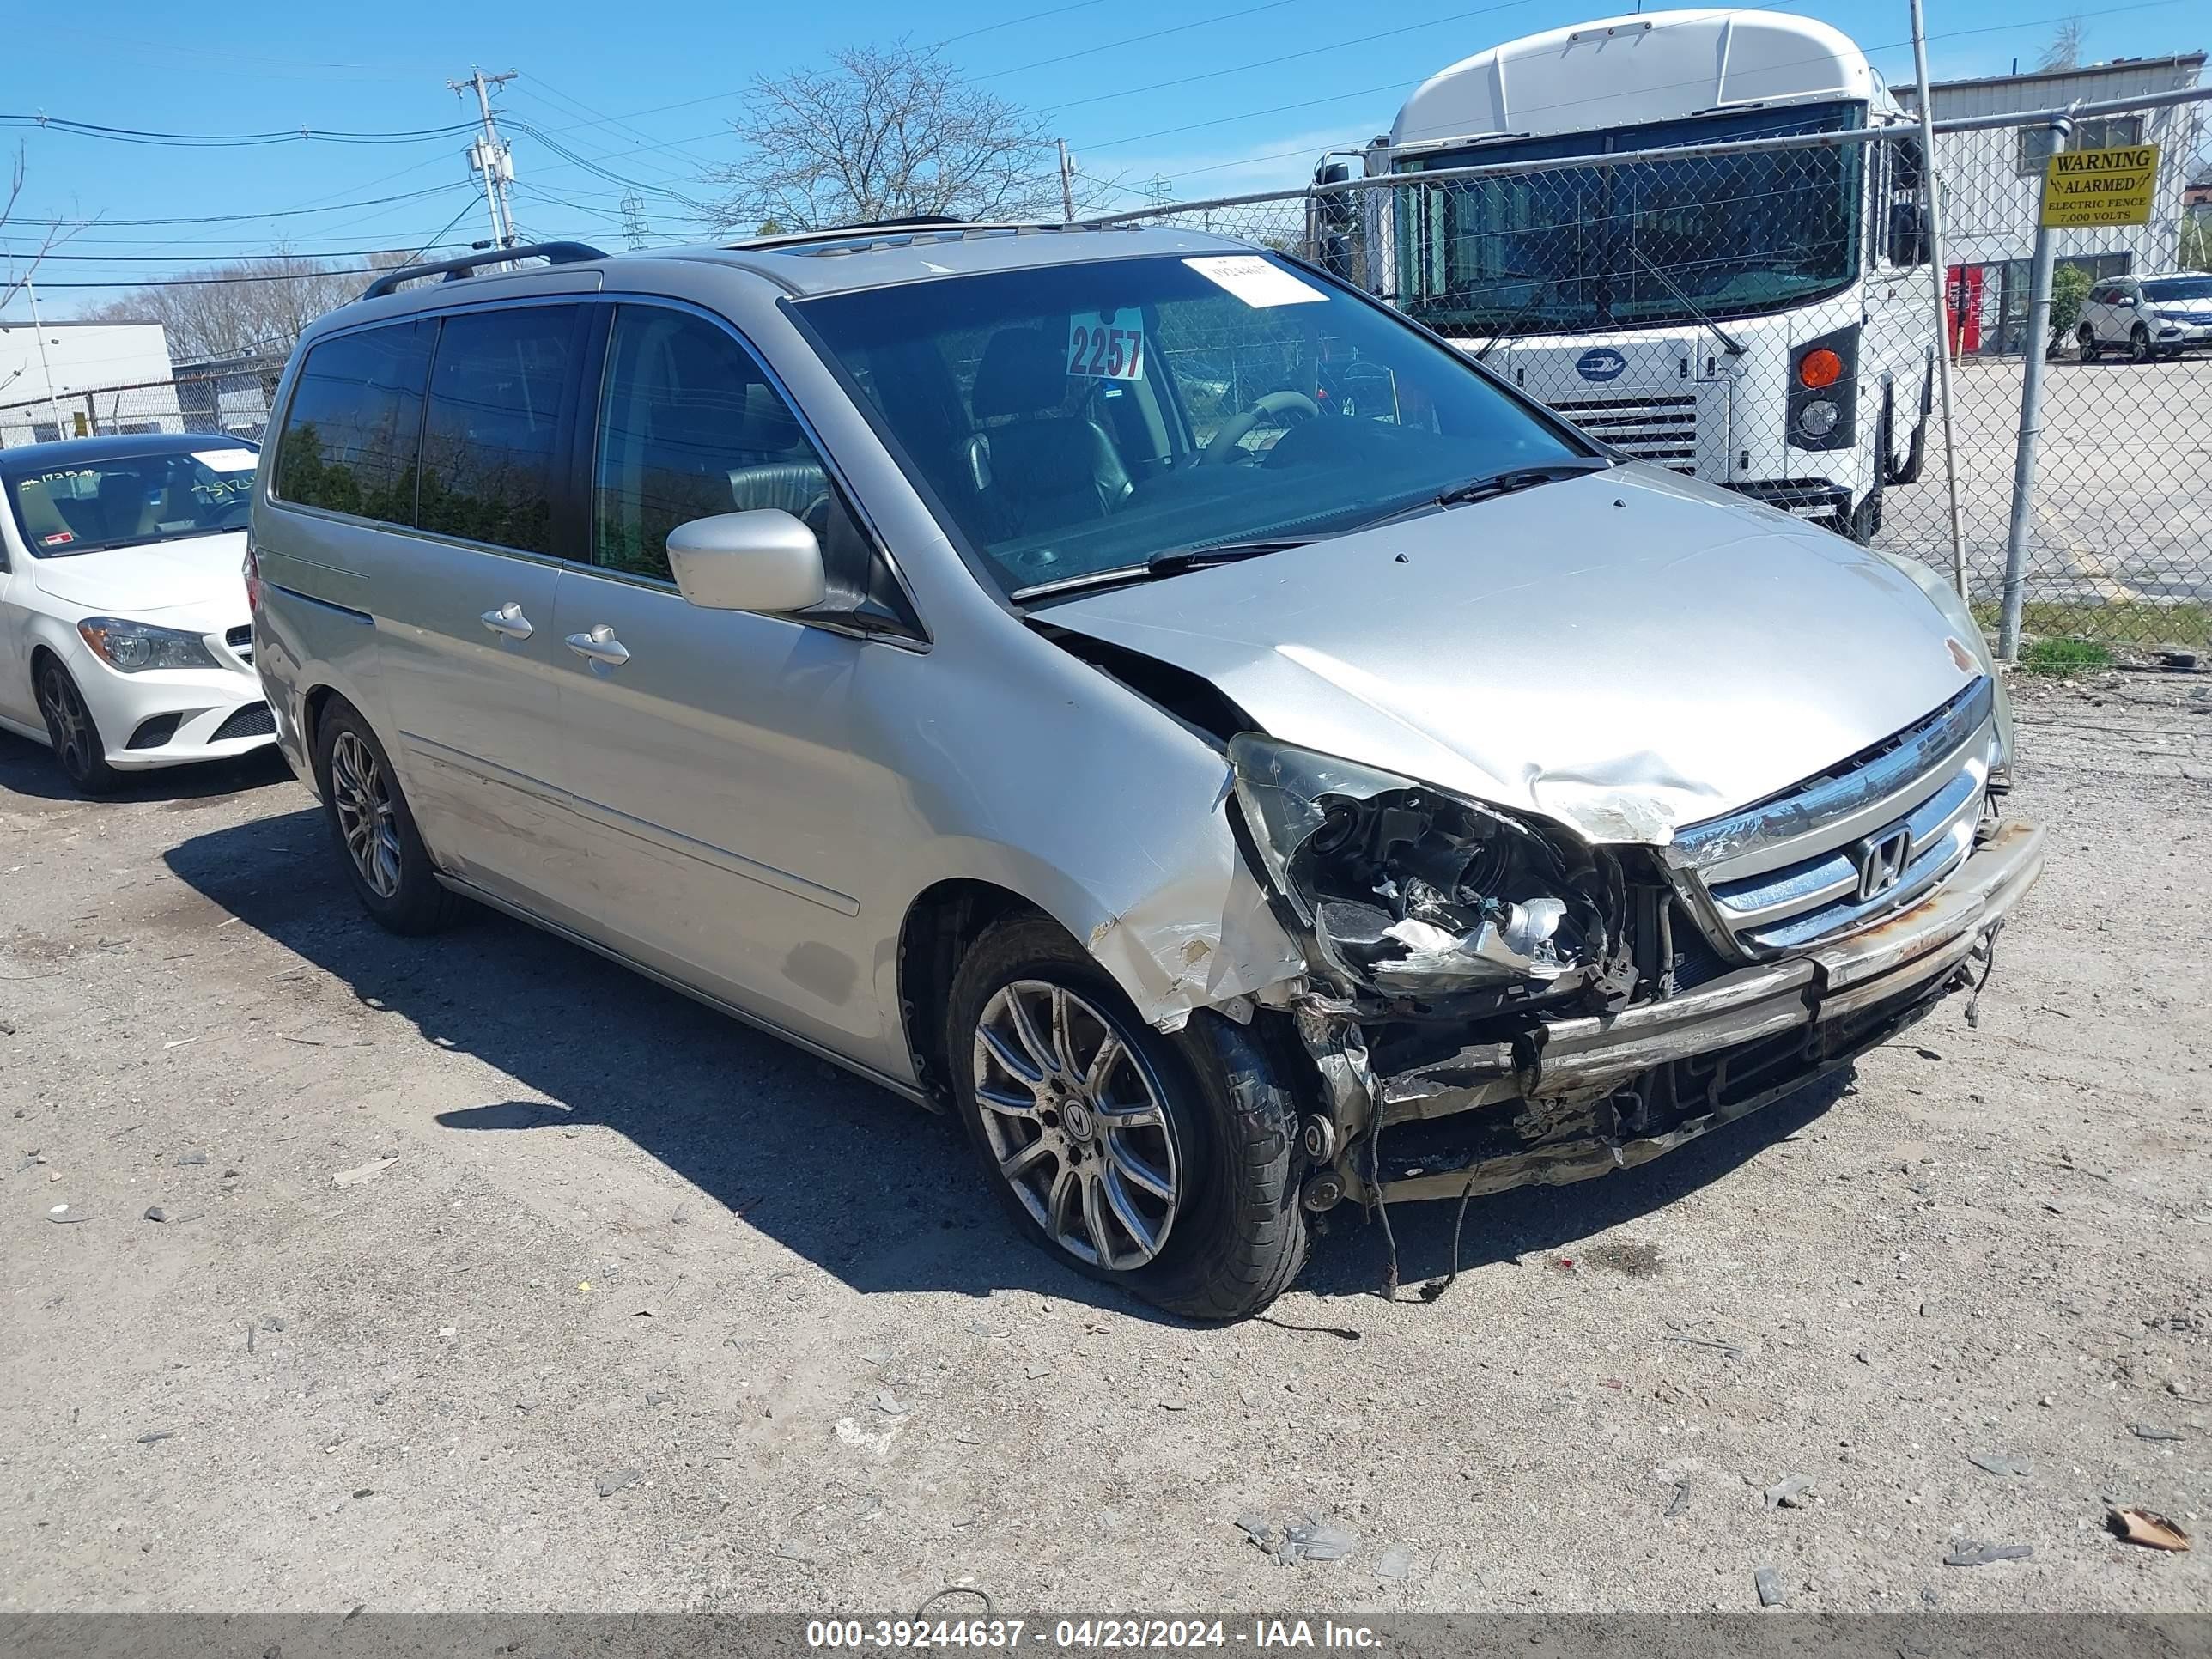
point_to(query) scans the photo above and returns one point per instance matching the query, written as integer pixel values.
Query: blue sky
(646, 92)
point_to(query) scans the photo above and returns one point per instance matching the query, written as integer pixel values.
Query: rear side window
(491, 438)
(349, 436)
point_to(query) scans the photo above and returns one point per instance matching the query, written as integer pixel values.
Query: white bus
(1759, 317)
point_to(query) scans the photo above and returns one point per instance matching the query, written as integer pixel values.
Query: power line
(1012, 22)
(233, 218)
(221, 281)
(1143, 39)
(220, 259)
(224, 140)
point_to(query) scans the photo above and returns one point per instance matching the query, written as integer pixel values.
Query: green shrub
(2063, 656)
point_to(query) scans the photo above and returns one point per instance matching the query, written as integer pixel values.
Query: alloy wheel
(76, 742)
(1077, 1123)
(362, 800)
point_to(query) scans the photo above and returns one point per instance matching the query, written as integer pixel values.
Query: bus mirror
(1908, 234)
(1335, 205)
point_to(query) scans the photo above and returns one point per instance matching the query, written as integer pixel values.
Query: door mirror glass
(1908, 234)
(764, 560)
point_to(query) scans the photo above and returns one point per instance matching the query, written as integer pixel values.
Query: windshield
(2178, 288)
(1071, 420)
(84, 504)
(1572, 248)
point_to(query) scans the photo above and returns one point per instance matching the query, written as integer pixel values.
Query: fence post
(1939, 281)
(2034, 347)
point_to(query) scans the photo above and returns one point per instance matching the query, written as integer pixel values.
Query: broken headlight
(1411, 891)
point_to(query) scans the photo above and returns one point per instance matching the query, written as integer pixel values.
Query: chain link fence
(1762, 313)
(232, 398)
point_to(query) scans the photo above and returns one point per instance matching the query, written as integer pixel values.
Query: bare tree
(884, 132)
(17, 271)
(255, 309)
(2064, 52)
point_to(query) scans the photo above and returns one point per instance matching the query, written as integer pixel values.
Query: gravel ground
(648, 1312)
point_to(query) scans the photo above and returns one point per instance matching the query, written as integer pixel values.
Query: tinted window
(690, 427)
(491, 437)
(349, 437)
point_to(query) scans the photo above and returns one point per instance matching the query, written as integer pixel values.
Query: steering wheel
(1225, 442)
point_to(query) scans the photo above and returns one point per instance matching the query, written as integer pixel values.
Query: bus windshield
(1571, 248)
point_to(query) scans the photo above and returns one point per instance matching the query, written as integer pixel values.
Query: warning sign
(2085, 189)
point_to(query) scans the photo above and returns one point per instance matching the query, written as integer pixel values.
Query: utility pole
(38, 331)
(1066, 186)
(490, 156)
(635, 232)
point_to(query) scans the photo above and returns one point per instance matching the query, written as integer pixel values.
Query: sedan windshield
(74, 504)
(1070, 422)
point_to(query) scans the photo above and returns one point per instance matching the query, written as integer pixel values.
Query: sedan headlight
(1411, 891)
(135, 647)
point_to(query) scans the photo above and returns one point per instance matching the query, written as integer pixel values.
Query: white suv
(2149, 317)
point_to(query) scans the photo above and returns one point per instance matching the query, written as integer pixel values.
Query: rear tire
(382, 851)
(2086, 342)
(1171, 1170)
(78, 746)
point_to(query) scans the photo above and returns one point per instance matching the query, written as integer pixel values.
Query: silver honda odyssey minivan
(1133, 691)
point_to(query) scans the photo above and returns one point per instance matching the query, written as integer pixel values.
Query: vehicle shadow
(875, 1191)
(29, 769)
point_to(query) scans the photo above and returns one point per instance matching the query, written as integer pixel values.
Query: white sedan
(125, 639)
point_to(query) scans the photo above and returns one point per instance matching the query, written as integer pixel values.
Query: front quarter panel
(1033, 772)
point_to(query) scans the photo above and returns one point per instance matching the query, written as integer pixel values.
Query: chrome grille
(1847, 847)
(1659, 430)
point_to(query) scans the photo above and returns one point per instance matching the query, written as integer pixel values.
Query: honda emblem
(1882, 861)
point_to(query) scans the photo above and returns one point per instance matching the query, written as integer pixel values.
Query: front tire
(1167, 1166)
(73, 733)
(1866, 519)
(2139, 346)
(383, 854)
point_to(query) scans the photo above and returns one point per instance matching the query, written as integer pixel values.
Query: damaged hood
(1626, 652)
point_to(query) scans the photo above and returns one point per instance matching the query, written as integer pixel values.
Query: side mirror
(1336, 209)
(763, 560)
(1908, 234)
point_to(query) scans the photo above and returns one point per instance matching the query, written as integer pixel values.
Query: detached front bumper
(1583, 1097)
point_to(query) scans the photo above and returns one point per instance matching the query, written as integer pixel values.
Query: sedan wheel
(1077, 1123)
(73, 733)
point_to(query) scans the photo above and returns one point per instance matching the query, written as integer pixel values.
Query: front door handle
(601, 646)
(509, 621)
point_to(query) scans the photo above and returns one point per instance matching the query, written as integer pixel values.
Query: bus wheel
(1866, 519)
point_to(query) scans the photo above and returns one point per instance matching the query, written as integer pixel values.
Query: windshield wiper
(1728, 341)
(1177, 559)
(1172, 563)
(1520, 478)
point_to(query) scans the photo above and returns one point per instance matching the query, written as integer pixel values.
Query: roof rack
(557, 254)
